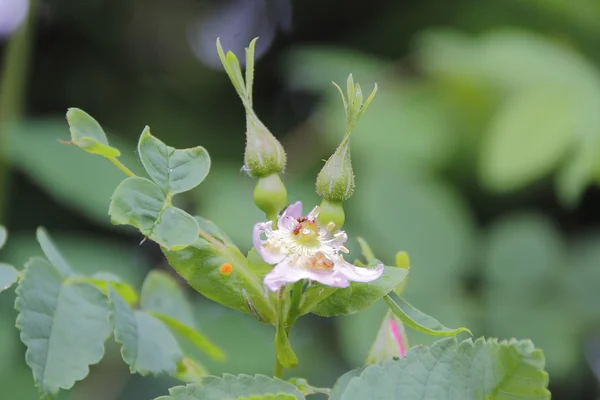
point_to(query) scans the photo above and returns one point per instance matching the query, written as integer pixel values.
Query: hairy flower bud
(264, 154)
(335, 182)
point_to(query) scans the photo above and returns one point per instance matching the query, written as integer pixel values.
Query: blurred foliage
(478, 156)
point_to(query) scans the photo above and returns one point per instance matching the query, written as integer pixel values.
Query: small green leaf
(192, 335)
(174, 171)
(52, 253)
(3, 236)
(147, 345)
(8, 276)
(285, 354)
(352, 299)
(200, 263)
(189, 370)
(141, 203)
(486, 369)
(63, 323)
(418, 320)
(87, 134)
(256, 387)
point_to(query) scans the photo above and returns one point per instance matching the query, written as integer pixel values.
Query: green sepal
(418, 320)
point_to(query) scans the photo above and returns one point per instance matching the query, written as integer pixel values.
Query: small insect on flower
(303, 249)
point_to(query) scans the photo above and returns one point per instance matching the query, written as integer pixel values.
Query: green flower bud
(335, 182)
(270, 195)
(331, 211)
(264, 154)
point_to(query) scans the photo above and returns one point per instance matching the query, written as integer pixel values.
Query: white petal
(283, 274)
(290, 215)
(270, 256)
(329, 278)
(357, 274)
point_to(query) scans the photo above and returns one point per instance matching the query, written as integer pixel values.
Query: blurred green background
(478, 156)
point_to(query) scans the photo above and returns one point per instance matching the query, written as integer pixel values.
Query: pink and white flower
(302, 249)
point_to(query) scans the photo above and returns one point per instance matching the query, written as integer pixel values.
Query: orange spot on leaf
(226, 269)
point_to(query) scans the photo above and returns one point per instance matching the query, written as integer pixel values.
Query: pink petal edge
(397, 337)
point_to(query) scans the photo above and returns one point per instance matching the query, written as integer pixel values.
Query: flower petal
(329, 278)
(290, 214)
(270, 256)
(357, 274)
(283, 274)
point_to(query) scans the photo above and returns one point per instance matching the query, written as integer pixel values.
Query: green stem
(12, 90)
(295, 306)
(120, 165)
(278, 370)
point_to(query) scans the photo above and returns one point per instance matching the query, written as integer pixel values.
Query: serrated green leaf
(63, 323)
(354, 298)
(87, 134)
(199, 264)
(51, 252)
(3, 236)
(173, 170)
(418, 320)
(489, 370)
(8, 276)
(147, 345)
(235, 387)
(141, 203)
(306, 388)
(527, 139)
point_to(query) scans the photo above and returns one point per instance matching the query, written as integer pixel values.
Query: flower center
(307, 232)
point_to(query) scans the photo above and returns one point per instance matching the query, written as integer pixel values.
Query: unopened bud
(264, 154)
(331, 212)
(335, 182)
(270, 195)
